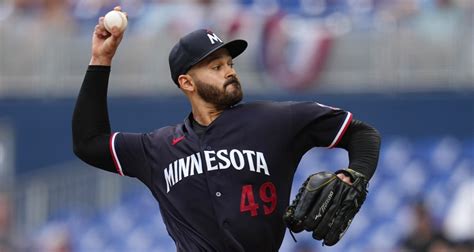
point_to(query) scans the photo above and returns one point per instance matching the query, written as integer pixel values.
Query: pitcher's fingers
(99, 31)
(344, 178)
(101, 22)
(102, 28)
(102, 32)
(118, 8)
(116, 35)
(347, 180)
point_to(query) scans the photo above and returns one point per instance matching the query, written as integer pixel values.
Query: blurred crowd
(150, 16)
(411, 40)
(427, 235)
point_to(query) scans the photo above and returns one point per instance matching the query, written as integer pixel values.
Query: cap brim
(235, 48)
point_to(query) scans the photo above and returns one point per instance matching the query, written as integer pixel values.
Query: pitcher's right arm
(90, 121)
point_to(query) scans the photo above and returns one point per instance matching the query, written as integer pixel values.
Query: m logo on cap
(213, 38)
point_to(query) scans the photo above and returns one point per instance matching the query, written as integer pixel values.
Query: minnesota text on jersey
(214, 160)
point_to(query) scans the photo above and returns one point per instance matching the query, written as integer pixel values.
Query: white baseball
(115, 19)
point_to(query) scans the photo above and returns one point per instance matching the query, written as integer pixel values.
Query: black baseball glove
(325, 205)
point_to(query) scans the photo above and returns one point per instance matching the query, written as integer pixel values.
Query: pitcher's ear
(186, 82)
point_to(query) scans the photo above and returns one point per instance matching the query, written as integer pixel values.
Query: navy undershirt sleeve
(93, 141)
(362, 142)
(90, 121)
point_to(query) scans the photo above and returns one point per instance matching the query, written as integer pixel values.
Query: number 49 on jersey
(267, 195)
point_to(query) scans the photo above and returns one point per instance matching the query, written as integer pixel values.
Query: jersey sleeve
(129, 154)
(318, 125)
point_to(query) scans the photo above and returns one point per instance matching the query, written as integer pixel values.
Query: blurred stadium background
(404, 66)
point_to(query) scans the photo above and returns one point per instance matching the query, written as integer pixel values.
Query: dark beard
(220, 98)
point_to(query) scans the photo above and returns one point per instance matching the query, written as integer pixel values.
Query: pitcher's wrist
(100, 61)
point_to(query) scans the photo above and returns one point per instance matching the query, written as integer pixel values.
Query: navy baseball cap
(196, 46)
